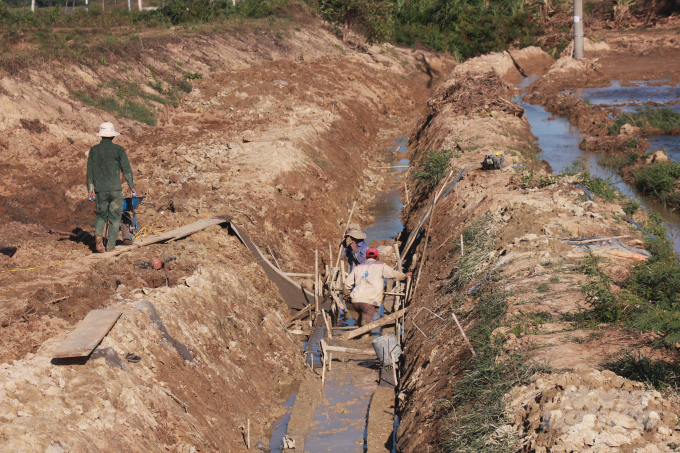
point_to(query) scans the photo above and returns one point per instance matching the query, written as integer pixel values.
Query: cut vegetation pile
(473, 92)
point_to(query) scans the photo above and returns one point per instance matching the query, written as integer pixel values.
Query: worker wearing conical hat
(355, 247)
(105, 162)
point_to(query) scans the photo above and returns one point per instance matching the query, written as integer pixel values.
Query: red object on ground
(157, 264)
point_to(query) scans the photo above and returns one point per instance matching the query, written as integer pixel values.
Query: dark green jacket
(104, 164)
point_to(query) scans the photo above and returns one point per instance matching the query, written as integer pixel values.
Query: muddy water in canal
(559, 140)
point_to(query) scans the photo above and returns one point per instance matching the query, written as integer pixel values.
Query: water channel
(340, 421)
(559, 139)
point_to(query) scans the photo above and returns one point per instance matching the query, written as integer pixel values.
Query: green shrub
(433, 168)
(605, 305)
(631, 208)
(193, 75)
(657, 179)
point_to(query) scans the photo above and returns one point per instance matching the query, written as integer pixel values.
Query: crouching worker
(368, 280)
(105, 163)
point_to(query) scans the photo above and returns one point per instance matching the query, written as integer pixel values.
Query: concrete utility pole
(129, 7)
(139, 3)
(32, 6)
(578, 29)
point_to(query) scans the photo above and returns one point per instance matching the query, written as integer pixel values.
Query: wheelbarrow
(128, 226)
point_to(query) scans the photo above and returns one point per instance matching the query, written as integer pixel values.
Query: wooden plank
(380, 322)
(87, 335)
(171, 235)
(370, 352)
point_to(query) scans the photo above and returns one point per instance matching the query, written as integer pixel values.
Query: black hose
(589, 194)
(650, 235)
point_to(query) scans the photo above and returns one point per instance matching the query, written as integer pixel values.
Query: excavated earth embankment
(281, 134)
(515, 283)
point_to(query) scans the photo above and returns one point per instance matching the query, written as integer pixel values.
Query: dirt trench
(515, 281)
(284, 143)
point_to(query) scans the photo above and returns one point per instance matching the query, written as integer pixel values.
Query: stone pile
(592, 411)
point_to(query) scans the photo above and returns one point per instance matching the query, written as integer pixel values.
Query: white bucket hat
(107, 130)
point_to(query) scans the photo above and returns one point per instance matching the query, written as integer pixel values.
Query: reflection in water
(388, 205)
(559, 142)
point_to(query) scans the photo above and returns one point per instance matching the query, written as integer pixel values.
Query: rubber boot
(99, 245)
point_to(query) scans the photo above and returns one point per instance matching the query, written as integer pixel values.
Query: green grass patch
(598, 186)
(647, 117)
(621, 160)
(479, 239)
(639, 367)
(659, 180)
(433, 168)
(477, 401)
(125, 109)
(606, 306)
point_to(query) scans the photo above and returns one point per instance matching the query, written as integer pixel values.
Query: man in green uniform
(104, 164)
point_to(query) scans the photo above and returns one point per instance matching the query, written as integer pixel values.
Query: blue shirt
(355, 257)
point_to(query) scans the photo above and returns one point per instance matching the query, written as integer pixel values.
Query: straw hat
(355, 232)
(107, 130)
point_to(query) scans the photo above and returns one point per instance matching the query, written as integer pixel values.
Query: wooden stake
(322, 349)
(455, 318)
(330, 254)
(406, 188)
(394, 369)
(330, 360)
(248, 438)
(329, 331)
(316, 280)
(462, 246)
(295, 274)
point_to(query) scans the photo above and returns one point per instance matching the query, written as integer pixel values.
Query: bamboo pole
(349, 219)
(294, 274)
(429, 227)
